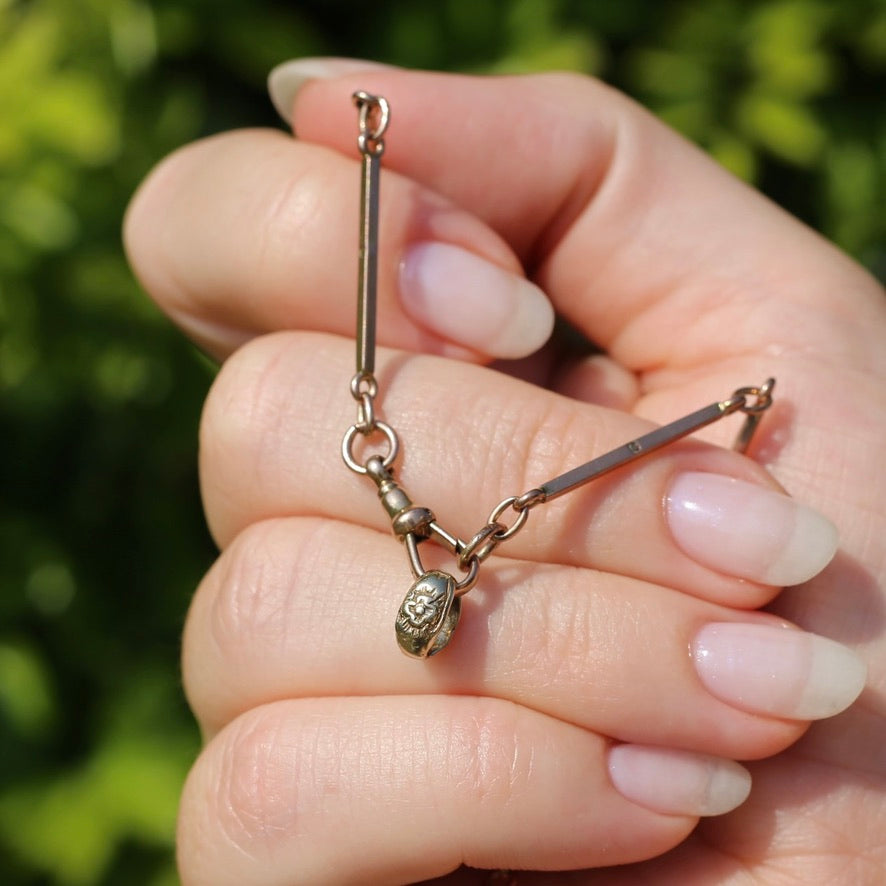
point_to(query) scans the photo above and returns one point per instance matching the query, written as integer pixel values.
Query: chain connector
(363, 383)
(481, 545)
(518, 524)
(762, 395)
(529, 500)
(374, 116)
(753, 411)
(347, 445)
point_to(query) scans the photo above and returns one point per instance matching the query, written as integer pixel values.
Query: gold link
(763, 396)
(529, 500)
(519, 523)
(373, 119)
(366, 414)
(481, 545)
(415, 564)
(347, 446)
(363, 383)
(753, 411)
(473, 570)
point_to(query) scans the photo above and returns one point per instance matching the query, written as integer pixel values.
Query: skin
(330, 757)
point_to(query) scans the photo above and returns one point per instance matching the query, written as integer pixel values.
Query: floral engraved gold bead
(428, 615)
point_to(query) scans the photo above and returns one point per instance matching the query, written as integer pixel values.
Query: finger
(251, 231)
(641, 240)
(692, 517)
(291, 793)
(300, 607)
(597, 379)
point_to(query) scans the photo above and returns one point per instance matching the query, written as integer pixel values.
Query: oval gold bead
(428, 615)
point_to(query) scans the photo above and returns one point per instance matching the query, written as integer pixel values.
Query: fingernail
(768, 669)
(748, 531)
(678, 782)
(287, 78)
(473, 302)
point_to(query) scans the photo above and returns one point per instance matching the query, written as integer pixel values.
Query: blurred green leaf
(133, 36)
(26, 696)
(541, 41)
(38, 217)
(788, 129)
(51, 587)
(72, 114)
(670, 74)
(785, 51)
(872, 40)
(734, 154)
(70, 825)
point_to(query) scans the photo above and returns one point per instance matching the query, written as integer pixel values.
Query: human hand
(330, 756)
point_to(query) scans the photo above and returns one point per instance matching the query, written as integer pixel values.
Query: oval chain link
(490, 536)
(364, 389)
(481, 545)
(366, 420)
(374, 115)
(762, 395)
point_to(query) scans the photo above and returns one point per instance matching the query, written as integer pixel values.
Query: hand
(622, 614)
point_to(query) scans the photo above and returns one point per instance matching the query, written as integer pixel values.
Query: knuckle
(263, 583)
(250, 427)
(488, 764)
(246, 632)
(557, 636)
(245, 396)
(250, 604)
(249, 805)
(239, 801)
(286, 222)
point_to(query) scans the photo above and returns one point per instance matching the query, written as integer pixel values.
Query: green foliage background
(101, 536)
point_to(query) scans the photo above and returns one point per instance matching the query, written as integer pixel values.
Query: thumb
(657, 253)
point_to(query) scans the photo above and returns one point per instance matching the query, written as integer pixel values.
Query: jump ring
(369, 146)
(763, 395)
(529, 500)
(367, 104)
(357, 385)
(482, 544)
(470, 579)
(347, 445)
(519, 523)
(366, 421)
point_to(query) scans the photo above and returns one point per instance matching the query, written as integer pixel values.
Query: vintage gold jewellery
(430, 610)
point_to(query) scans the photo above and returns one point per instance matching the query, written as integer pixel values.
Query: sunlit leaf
(133, 35)
(671, 75)
(787, 129)
(73, 113)
(38, 217)
(26, 696)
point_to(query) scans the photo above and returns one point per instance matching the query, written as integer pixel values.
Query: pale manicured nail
(473, 302)
(287, 78)
(678, 782)
(747, 530)
(769, 669)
